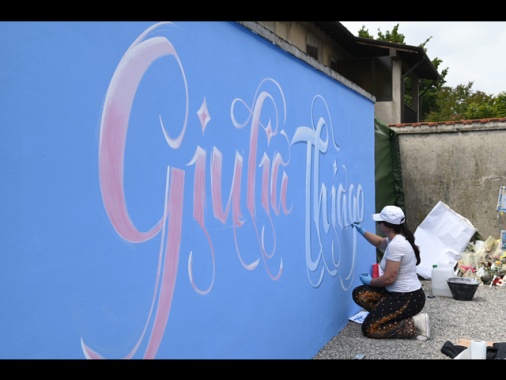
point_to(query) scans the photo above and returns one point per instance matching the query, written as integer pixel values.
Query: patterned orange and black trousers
(390, 313)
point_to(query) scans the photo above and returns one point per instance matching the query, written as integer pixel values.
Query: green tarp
(388, 171)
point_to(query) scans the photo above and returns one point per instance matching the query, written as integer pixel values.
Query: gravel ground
(482, 318)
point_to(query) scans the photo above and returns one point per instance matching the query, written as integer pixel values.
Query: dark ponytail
(406, 232)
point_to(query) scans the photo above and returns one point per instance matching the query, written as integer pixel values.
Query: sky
(473, 51)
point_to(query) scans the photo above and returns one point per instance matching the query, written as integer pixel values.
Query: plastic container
(376, 270)
(440, 274)
(463, 288)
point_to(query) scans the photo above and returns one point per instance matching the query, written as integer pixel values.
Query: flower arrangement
(486, 262)
(492, 268)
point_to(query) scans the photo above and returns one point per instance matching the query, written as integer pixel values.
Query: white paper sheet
(442, 237)
(359, 317)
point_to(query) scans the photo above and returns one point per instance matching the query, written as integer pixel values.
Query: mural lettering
(329, 208)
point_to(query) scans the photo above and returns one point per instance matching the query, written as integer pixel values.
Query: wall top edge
(450, 126)
(260, 30)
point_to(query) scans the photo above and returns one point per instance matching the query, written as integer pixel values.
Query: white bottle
(441, 273)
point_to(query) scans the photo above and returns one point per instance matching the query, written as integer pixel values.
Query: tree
(462, 103)
(393, 36)
(449, 103)
(479, 106)
(499, 105)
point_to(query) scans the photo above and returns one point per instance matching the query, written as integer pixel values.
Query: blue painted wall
(175, 190)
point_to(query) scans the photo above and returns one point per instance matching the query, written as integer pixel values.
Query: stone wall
(462, 164)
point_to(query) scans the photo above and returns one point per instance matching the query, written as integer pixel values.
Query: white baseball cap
(390, 214)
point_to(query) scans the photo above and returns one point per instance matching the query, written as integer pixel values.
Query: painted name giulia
(346, 202)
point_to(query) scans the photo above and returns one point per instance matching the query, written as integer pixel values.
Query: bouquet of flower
(492, 267)
(486, 263)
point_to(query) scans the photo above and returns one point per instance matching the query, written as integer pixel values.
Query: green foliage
(422, 45)
(364, 33)
(499, 105)
(462, 103)
(393, 36)
(449, 103)
(440, 102)
(479, 106)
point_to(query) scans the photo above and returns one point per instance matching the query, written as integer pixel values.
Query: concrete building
(381, 68)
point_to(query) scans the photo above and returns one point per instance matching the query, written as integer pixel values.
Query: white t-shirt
(397, 250)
